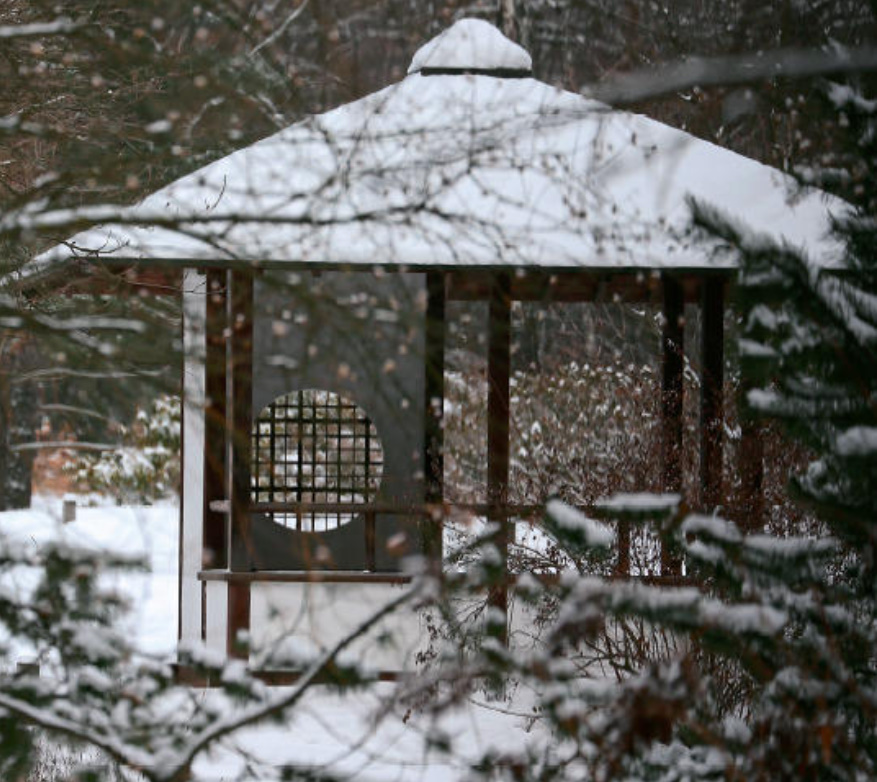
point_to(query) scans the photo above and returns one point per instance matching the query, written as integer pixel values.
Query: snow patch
(857, 441)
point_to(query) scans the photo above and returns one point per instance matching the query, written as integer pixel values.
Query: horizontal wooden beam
(358, 577)
(431, 509)
(305, 576)
(191, 677)
(574, 285)
(115, 282)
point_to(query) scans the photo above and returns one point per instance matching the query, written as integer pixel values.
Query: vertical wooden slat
(498, 372)
(215, 543)
(434, 400)
(712, 385)
(203, 610)
(370, 541)
(672, 395)
(622, 564)
(240, 418)
(184, 325)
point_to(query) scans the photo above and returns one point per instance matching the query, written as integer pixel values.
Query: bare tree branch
(280, 28)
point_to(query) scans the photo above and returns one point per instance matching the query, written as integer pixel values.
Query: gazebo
(318, 264)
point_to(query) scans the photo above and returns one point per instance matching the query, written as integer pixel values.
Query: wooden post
(498, 372)
(672, 395)
(750, 464)
(622, 564)
(215, 542)
(712, 388)
(508, 19)
(239, 428)
(434, 400)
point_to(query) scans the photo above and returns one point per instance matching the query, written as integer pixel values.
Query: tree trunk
(508, 19)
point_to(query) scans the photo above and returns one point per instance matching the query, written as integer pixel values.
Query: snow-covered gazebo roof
(455, 167)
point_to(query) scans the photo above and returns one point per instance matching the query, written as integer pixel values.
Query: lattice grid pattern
(314, 446)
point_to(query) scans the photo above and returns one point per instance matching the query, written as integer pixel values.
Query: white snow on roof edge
(461, 171)
(471, 44)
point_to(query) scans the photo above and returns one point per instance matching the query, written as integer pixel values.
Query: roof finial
(472, 46)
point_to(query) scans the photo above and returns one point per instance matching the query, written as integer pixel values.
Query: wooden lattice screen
(314, 450)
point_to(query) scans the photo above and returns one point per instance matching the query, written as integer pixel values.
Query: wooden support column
(750, 465)
(498, 397)
(239, 422)
(712, 391)
(215, 541)
(434, 399)
(672, 395)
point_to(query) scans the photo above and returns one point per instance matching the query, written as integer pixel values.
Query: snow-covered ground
(361, 736)
(150, 533)
(358, 737)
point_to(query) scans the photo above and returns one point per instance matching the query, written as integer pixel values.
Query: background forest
(135, 96)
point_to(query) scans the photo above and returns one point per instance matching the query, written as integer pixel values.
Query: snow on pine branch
(573, 520)
(857, 441)
(639, 504)
(682, 608)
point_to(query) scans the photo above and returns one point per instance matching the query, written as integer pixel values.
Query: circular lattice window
(316, 457)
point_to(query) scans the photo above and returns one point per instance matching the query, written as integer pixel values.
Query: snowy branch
(89, 216)
(61, 26)
(731, 70)
(46, 719)
(75, 445)
(280, 28)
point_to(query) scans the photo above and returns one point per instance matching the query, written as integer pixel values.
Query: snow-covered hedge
(146, 465)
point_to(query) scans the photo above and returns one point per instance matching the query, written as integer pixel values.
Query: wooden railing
(439, 512)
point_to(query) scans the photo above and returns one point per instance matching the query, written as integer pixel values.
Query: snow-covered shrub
(146, 465)
(92, 692)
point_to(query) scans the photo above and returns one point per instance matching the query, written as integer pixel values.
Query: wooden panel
(712, 386)
(434, 393)
(498, 371)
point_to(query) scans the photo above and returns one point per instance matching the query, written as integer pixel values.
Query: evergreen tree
(767, 669)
